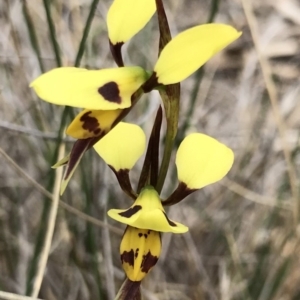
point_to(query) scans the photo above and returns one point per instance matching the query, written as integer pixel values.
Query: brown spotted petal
(140, 250)
(147, 213)
(92, 123)
(105, 89)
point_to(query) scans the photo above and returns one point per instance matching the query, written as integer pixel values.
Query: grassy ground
(243, 241)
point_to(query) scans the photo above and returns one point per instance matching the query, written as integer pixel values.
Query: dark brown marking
(110, 92)
(79, 148)
(140, 234)
(97, 131)
(131, 211)
(148, 262)
(169, 221)
(149, 231)
(151, 83)
(136, 252)
(117, 53)
(128, 257)
(90, 124)
(145, 235)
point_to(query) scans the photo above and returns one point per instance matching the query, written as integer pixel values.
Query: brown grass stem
(272, 92)
(44, 255)
(49, 195)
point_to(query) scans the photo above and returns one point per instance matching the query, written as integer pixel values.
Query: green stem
(32, 35)
(170, 97)
(52, 32)
(166, 159)
(213, 10)
(86, 33)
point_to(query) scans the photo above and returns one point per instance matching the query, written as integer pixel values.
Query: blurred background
(243, 241)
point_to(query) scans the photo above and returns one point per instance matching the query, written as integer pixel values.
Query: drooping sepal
(202, 160)
(189, 50)
(123, 146)
(140, 250)
(77, 152)
(147, 212)
(126, 18)
(178, 195)
(92, 123)
(105, 89)
(124, 182)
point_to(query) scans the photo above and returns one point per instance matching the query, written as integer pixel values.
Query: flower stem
(170, 99)
(130, 290)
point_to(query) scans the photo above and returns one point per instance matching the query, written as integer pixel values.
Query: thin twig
(32, 132)
(50, 228)
(272, 92)
(49, 195)
(11, 296)
(252, 196)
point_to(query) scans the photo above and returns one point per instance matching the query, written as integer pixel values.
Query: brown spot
(148, 262)
(145, 235)
(90, 123)
(136, 252)
(116, 53)
(169, 221)
(110, 92)
(149, 231)
(140, 234)
(131, 211)
(128, 257)
(97, 131)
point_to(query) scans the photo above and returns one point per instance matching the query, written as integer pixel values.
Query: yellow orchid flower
(141, 243)
(147, 212)
(104, 94)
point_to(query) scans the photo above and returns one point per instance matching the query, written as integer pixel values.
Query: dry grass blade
(272, 92)
(252, 196)
(50, 229)
(64, 205)
(11, 296)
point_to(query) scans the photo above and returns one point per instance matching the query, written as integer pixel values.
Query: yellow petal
(190, 49)
(92, 123)
(126, 18)
(202, 160)
(123, 146)
(140, 250)
(105, 89)
(147, 213)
